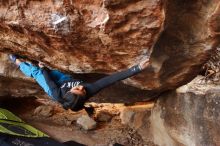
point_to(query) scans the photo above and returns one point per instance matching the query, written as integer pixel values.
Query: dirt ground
(61, 124)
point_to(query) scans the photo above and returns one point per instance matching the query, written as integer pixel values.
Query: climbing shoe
(13, 57)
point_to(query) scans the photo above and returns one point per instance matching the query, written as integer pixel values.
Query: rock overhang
(108, 36)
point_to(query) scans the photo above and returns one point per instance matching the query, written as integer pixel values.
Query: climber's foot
(144, 64)
(15, 59)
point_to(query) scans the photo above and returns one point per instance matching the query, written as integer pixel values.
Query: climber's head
(75, 98)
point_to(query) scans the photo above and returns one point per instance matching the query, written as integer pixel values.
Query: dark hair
(73, 101)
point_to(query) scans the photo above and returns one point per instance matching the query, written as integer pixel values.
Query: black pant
(93, 88)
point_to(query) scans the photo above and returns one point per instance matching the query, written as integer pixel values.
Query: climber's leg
(42, 78)
(58, 76)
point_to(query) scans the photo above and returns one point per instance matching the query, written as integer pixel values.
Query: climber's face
(78, 90)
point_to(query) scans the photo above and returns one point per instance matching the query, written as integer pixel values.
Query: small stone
(104, 116)
(68, 123)
(126, 116)
(86, 122)
(44, 110)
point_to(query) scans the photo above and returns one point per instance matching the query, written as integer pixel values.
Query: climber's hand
(78, 90)
(41, 65)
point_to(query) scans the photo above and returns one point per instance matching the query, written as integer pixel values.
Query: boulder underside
(98, 37)
(107, 36)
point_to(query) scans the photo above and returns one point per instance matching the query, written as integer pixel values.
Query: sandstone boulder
(106, 36)
(188, 117)
(104, 116)
(44, 111)
(86, 122)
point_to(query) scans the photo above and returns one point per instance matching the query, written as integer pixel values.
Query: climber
(71, 93)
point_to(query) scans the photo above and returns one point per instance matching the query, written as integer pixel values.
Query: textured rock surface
(191, 118)
(45, 111)
(187, 117)
(212, 68)
(106, 36)
(86, 122)
(89, 36)
(82, 42)
(104, 116)
(138, 118)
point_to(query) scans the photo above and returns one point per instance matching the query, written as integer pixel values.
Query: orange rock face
(104, 36)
